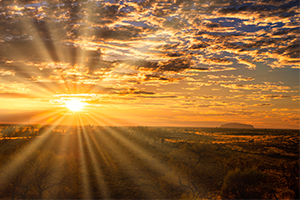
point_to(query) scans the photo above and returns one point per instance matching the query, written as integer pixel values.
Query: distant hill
(237, 125)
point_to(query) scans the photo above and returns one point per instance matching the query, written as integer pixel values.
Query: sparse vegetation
(147, 162)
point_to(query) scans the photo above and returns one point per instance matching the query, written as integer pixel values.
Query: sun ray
(146, 156)
(121, 157)
(156, 165)
(81, 79)
(86, 184)
(18, 159)
(97, 167)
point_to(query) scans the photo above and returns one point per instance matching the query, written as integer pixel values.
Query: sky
(150, 62)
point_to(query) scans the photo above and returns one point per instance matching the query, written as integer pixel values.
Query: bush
(247, 184)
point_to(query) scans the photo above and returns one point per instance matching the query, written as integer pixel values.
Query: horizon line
(26, 124)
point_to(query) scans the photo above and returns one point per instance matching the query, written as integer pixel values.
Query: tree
(15, 180)
(46, 171)
(247, 184)
(71, 187)
(202, 151)
(8, 132)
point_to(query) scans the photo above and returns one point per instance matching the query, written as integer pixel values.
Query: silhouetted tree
(200, 150)
(46, 171)
(16, 182)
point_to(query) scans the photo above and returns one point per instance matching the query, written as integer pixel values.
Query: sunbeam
(96, 165)
(86, 184)
(18, 159)
(149, 99)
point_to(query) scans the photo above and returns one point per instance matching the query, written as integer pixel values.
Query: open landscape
(92, 162)
(149, 99)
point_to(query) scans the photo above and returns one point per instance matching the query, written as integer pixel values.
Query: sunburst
(74, 105)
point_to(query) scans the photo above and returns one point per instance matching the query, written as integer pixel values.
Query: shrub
(247, 184)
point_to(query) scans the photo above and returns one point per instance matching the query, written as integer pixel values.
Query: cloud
(269, 97)
(217, 61)
(142, 64)
(207, 97)
(117, 33)
(262, 105)
(133, 91)
(263, 87)
(175, 65)
(132, 23)
(216, 80)
(276, 96)
(14, 88)
(140, 50)
(4, 72)
(246, 62)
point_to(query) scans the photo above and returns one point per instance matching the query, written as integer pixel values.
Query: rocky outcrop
(237, 125)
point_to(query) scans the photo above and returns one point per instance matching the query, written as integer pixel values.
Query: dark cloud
(142, 64)
(133, 91)
(265, 6)
(174, 54)
(159, 97)
(168, 46)
(175, 65)
(118, 33)
(219, 61)
(199, 46)
(88, 40)
(153, 77)
(290, 51)
(271, 96)
(152, 53)
(175, 23)
(58, 22)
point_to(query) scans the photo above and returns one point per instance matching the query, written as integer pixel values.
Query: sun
(74, 105)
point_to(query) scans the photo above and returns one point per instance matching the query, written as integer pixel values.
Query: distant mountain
(236, 125)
